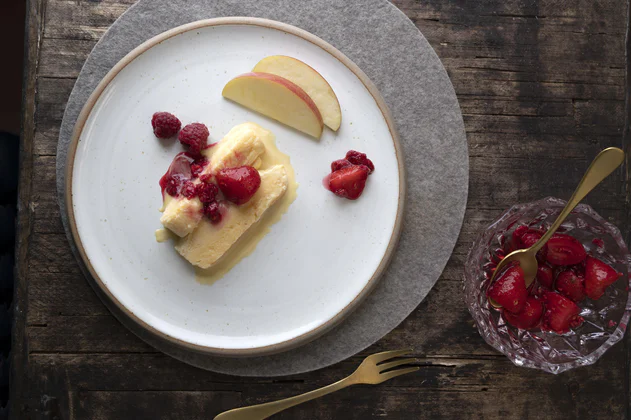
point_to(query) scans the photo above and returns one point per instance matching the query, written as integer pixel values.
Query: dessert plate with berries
(235, 186)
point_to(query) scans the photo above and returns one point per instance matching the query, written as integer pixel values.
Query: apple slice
(310, 81)
(277, 98)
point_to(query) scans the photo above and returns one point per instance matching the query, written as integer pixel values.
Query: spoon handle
(603, 165)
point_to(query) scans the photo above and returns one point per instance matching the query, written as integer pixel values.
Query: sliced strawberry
(517, 234)
(529, 317)
(349, 182)
(238, 185)
(571, 285)
(598, 276)
(564, 250)
(336, 165)
(561, 314)
(545, 276)
(525, 237)
(509, 290)
(530, 238)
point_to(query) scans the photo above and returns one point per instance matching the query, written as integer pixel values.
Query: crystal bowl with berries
(579, 304)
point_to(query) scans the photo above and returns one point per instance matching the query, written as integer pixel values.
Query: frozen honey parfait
(219, 200)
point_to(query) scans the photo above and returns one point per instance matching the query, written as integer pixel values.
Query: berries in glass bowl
(577, 307)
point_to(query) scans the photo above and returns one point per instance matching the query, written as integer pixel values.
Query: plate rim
(121, 310)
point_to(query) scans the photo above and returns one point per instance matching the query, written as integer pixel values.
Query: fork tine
(394, 364)
(380, 357)
(394, 373)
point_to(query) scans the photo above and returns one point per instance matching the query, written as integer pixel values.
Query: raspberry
(198, 166)
(205, 177)
(206, 192)
(358, 158)
(213, 212)
(165, 125)
(172, 186)
(194, 135)
(189, 191)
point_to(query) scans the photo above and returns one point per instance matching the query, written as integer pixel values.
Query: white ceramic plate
(315, 265)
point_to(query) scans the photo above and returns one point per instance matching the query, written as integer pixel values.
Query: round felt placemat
(387, 46)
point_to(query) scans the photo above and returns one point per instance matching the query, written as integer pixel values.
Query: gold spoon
(603, 165)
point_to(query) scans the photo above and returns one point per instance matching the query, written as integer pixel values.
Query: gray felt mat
(387, 46)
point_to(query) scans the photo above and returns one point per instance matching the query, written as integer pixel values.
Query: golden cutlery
(603, 165)
(375, 369)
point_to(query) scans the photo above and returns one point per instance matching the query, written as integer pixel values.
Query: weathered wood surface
(541, 85)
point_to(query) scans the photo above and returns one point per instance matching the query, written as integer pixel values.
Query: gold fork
(373, 370)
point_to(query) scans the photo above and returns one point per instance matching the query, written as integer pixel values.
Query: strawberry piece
(517, 234)
(524, 237)
(598, 276)
(571, 285)
(529, 317)
(530, 238)
(336, 165)
(561, 314)
(509, 290)
(545, 276)
(349, 182)
(359, 158)
(564, 250)
(238, 185)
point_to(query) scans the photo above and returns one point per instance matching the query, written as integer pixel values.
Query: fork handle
(604, 164)
(263, 411)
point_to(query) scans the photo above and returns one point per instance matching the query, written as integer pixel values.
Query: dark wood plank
(19, 351)
(542, 88)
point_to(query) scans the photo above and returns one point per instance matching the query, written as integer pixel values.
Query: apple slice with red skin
(277, 98)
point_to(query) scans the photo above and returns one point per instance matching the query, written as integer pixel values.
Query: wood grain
(542, 88)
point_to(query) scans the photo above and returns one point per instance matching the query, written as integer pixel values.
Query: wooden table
(542, 89)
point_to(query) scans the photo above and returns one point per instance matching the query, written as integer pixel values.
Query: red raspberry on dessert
(195, 136)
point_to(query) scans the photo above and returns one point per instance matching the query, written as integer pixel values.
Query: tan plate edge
(95, 281)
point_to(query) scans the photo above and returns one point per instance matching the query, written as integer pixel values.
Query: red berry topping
(165, 125)
(545, 276)
(189, 190)
(358, 158)
(213, 212)
(509, 290)
(564, 250)
(206, 192)
(198, 166)
(178, 173)
(561, 314)
(349, 182)
(598, 276)
(529, 317)
(206, 177)
(238, 185)
(336, 165)
(530, 238)
(517, 234)
(195, 136)
(571, 285)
